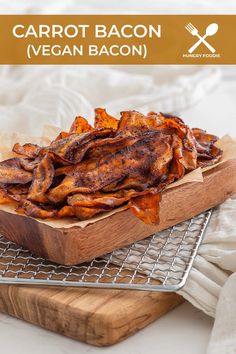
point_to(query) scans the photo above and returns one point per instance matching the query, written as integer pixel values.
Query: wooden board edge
(118, 328)
(123, 315)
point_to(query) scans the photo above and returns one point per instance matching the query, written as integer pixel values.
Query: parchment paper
(7, 140)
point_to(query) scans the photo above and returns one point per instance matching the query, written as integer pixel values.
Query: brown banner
(118, 39)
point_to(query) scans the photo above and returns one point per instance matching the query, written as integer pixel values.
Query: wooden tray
(76, 245)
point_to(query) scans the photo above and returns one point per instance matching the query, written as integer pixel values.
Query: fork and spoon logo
(210, 31)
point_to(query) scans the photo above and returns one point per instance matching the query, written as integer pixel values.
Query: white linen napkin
(215, 261)
(210, 287)
(224, 331)
(56, 94)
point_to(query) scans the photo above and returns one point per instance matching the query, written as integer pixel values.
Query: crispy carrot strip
(87, 170)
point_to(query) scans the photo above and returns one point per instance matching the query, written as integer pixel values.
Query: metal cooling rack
(160, 262)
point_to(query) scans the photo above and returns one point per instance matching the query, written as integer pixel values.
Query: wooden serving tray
(75, 245)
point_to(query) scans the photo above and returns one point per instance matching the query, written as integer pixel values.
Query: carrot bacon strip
(87, 171)
(4, 198)
(29, 150)
(42, 180)
(146, 208)
(104, 120)
(11, 172)
(80, 125)
(32, 209)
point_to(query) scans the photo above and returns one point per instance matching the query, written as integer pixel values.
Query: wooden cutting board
(95, 316)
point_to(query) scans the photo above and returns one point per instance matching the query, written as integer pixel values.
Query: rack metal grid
(161, 262)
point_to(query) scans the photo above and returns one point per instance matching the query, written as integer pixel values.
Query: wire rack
(160, 262)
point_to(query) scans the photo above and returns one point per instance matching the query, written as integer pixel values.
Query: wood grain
(76, 245)
(95, 316)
